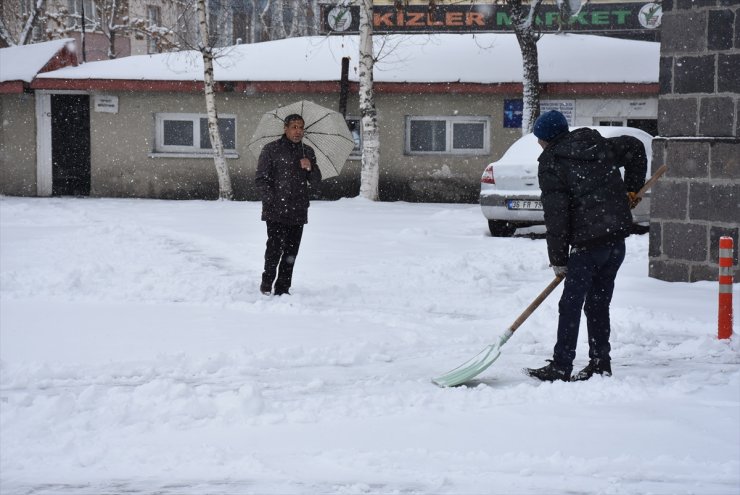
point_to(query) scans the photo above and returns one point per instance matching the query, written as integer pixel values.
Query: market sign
(628, 17)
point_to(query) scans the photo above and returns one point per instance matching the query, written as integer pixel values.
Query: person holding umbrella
(285, 168)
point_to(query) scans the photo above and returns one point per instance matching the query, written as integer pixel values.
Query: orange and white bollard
(725, 288)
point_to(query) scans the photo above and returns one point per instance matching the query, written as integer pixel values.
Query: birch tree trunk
(522, 18)
(370, 171)
(295, 23)
(222, 169)
(255, 27)
(530, 81)
(266, 23)
(112, 10)
(278, 21)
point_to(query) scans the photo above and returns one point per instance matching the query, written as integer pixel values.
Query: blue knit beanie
(550, 125)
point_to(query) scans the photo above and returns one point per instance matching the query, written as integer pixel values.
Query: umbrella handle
(303, 147)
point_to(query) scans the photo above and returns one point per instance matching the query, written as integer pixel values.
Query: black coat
(583, 194)
(283, 184)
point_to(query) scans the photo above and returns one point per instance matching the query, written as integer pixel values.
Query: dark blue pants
(283, 241)
(588, 286)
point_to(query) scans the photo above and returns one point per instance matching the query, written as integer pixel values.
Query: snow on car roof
(526, 149)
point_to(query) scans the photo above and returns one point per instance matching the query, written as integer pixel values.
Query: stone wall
(698, 200)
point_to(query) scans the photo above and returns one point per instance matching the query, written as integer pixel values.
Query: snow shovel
(487, 356)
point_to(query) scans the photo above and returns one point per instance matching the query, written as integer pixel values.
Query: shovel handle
(652, 180)
(556, 281)
(537, 301)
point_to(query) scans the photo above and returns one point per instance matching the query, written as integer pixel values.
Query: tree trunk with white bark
(222, 170)
(522, 19)
(370, 171)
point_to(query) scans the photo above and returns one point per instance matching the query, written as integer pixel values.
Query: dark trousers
(283, 242)
(589, 285)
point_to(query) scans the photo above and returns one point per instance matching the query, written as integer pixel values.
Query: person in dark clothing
(285, 169)
(587, 215)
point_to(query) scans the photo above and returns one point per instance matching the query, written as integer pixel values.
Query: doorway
(70, 145)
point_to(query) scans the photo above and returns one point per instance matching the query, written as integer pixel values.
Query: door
(70, 144)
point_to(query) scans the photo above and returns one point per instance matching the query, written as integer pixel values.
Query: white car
(510, 191)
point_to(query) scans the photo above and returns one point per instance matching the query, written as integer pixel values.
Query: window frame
(92, 14)
(154, 20)
(195, 150)
(450, 121)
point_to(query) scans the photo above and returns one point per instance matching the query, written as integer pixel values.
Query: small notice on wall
(566, 107)
(105, 103)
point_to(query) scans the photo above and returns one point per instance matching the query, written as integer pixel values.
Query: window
(609, 123)
(447, 135)
(75, 8)
(188, 133)
(355, 126)
(648, 125)
(154, 18)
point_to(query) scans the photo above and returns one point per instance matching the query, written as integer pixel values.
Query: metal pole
(82, 2)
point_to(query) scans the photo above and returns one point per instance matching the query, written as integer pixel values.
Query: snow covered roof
(23, 63)
(439, 58)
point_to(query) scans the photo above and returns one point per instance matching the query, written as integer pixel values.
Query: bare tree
(113, 17)
(18, 18)
(370, 170)
(277, 15)
(523, 20)
(169, 26)
(222, 170)
(26, 21)
(279, 19)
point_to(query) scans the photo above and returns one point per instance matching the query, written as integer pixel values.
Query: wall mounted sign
(639, 20)
(105, 103)
(513, 109)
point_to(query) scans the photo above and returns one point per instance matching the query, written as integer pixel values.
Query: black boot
(265, 289)
(550, 373)
(601, 367)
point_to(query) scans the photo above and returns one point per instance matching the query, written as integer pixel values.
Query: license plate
(523, 204)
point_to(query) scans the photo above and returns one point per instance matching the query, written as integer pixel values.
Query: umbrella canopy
(325, 131)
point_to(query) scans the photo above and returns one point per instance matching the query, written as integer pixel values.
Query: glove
(633, 200)
(560, 271)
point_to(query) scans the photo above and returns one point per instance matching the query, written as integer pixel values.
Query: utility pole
(82, 10)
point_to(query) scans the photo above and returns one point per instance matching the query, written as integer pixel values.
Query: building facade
(443, 116)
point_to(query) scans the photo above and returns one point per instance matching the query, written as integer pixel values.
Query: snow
(526, 150)
(22, 63)
(470, 58)
(138, 356)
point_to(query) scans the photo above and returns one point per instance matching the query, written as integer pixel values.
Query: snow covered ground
(138, 356)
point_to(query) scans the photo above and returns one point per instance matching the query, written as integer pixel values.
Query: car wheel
(501, 228)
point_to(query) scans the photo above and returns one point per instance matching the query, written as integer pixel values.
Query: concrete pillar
(698, 200)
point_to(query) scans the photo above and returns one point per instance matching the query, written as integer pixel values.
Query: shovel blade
(469, 369)
(473, 367)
